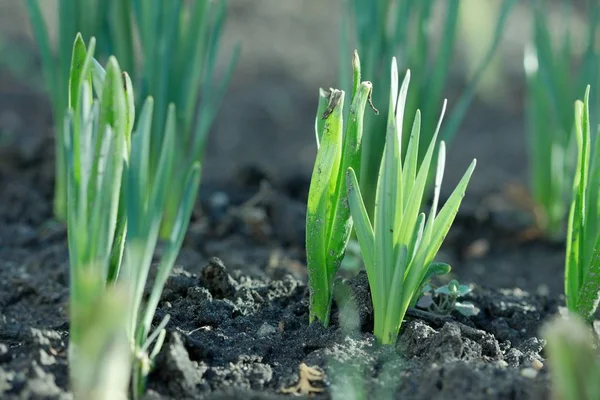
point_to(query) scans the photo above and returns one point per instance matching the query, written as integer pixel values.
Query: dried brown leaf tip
(334, 95)
(304, 387)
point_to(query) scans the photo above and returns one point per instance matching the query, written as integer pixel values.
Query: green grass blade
(129, 109)
(73, 214)
(399, 115)
(139, 181)
(67, 29)
(167, 42)
(104, 191)
(393, 318)
(160, 190)
(80, 70)
(118, 245)
(386, 198)
(588, 238)
(415, 198)
(122, 33)
(98, 248)
(575, 259)
(98, 77)
(409, 172)
(186, 206)
(321, 200)
(192, 59)
(362, 224)
(319, 120)
(79, 77)
(589, 293)
(114, 104)
(340, 224)
(145, 217)
(439, 177)
(112, 112)
(444, 220)
(435, 232)
(40, 32)
(366, 239)
(437, 81)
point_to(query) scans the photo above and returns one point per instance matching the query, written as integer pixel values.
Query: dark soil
(239, 323)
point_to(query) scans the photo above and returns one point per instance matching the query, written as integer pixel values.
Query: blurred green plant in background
(169, 48)
(573, 358)
(405, 29)
(558, 70)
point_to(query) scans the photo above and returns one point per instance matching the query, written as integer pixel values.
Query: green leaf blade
(321, 203)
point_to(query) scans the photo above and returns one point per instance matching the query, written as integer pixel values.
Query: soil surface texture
(239, 323)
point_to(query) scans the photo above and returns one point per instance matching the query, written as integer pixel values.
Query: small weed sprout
(444, 299)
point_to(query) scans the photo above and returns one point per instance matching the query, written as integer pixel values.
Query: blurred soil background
(289, 50)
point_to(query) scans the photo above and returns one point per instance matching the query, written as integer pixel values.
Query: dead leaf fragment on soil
(304, 386)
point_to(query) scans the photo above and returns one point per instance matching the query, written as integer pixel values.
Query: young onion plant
(115, 208)
(328, 222)
(554, 82)
(177, 42)
(402, 28)
(399, 245)
(573, 358)
(582, 266)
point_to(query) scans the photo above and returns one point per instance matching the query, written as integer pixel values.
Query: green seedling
(403, 28)
(328, 221)
(444, 299)
(399, 245)
(114, 212)
(178, 43)
(582, 265)
(573, 358)
(554, 82)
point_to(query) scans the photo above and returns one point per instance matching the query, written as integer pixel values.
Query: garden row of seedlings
(115, 168)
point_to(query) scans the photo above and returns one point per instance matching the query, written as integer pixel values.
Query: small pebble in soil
(4, 356)
(266, 330)
(477, 249)
(218, 205)
(530, 373)
(537, 365)
(45, 358)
